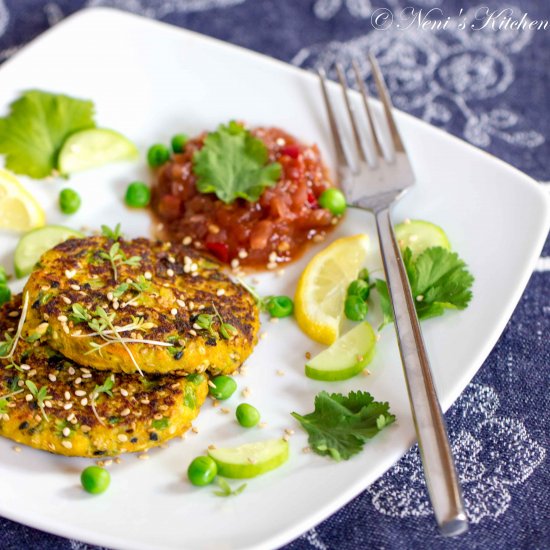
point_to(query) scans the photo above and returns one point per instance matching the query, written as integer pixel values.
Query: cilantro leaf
(226, 490)
(340, 425)
(439, 280)
(32, 134)
(232, 164)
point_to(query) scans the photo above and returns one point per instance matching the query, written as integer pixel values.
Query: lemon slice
(90, 148)
(321, 291)
(19, 210)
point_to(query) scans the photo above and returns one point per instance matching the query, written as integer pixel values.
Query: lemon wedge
(321, 291)
(19, 210)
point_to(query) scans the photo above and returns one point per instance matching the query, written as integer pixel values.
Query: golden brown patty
(153, 292)
(56, 413)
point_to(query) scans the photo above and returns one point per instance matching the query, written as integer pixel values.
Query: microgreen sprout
(117, 256)
(227, 330)
(105, 388)
(226, 490)
(113, 234)
(40, 395)
(12, 344)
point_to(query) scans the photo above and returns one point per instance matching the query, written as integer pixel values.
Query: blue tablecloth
(486, 85)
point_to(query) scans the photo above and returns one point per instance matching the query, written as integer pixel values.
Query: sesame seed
(25, 367)
(170, 272)
(125, 412)
(79, 393)
(272, 256)
(419, 298)
(123, 392)
(28, 397)
(67, 444)
(110, 296)
(48, 404)
(187, 240)
(100, 463)
(195, 430)
(143, 457)
(62, 318)
(225, 410)
(280, 373)
(193, 332)
(286, 437)
(66, 432)
(122, 438)
(235, 263)
(318, 238)
(13, 314)
(180, 303)
(38, 418)
(174, 311)
(78, 381)
(85, 428)
(280, 142)
(308, 355)
(171, 259)
(66, 300)
(246, 392)
(70, 273)
(75, 287)
(118, 460)
(68, 406)
(116, 305)
(271, 265)
(67, 396)
(289, 431)
(87, 375)
(148, 275)
(84, 401)
(306, 450)
(215, 403)
(211, 384)
(191, 305)
(242, 254)
(66, 329)
(72, 372)
(17, 449)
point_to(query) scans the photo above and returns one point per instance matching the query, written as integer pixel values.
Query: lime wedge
(34, 243)
(251, 459)
(348, 356)
(419, 235)
(95, 147)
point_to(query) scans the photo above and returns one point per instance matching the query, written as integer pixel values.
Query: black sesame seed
(99, 453)
(35, 304)
(54, 284)
(211, 341)
(134, 440)
(178, 355)
(23, 425)
(153, 436)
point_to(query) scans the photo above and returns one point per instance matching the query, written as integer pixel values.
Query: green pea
(69, 201)
(334, 200)
(157, 155)
(95, 480)
(247, 415)
(359, 288)
(178, 142)
(138, 195)
(202, 471)
(355, 308)
(224, 387)
(279, 306)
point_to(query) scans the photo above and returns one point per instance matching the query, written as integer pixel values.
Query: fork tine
(336, 137)
(365, 96)
(344, 85)
(384, 96)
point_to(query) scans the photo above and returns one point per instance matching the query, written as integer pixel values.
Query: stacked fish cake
(109, 347)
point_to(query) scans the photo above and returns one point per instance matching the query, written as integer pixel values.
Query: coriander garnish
(113, 234)
(105, 388)
(117, 256)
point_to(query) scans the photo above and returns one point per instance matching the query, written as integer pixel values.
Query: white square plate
(150, 81)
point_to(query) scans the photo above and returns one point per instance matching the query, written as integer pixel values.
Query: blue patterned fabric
(487, 86)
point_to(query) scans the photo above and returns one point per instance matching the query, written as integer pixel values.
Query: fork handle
(435, 450)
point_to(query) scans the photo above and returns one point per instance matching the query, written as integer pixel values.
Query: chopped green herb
(113, 234)
(340, 425)
(32, 135)
(117, 256)
(189, 397)
(233, 164)
(161, 424)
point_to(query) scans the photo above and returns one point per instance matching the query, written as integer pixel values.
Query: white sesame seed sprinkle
(187, 241)
(67, 396)
(125, 412)
(148, 275)
(66, 432)
(122, 438)
(174, 311)
(123, 392)
(220, 292)
(68, 406)
(67, 444)
(62, 318)
(28, 397)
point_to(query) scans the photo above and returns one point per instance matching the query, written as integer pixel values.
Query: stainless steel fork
(375, 186)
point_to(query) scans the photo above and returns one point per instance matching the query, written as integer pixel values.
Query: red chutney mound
(263, 234)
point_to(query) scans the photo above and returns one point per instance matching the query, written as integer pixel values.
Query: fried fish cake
(51, 403)
(138, 305)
